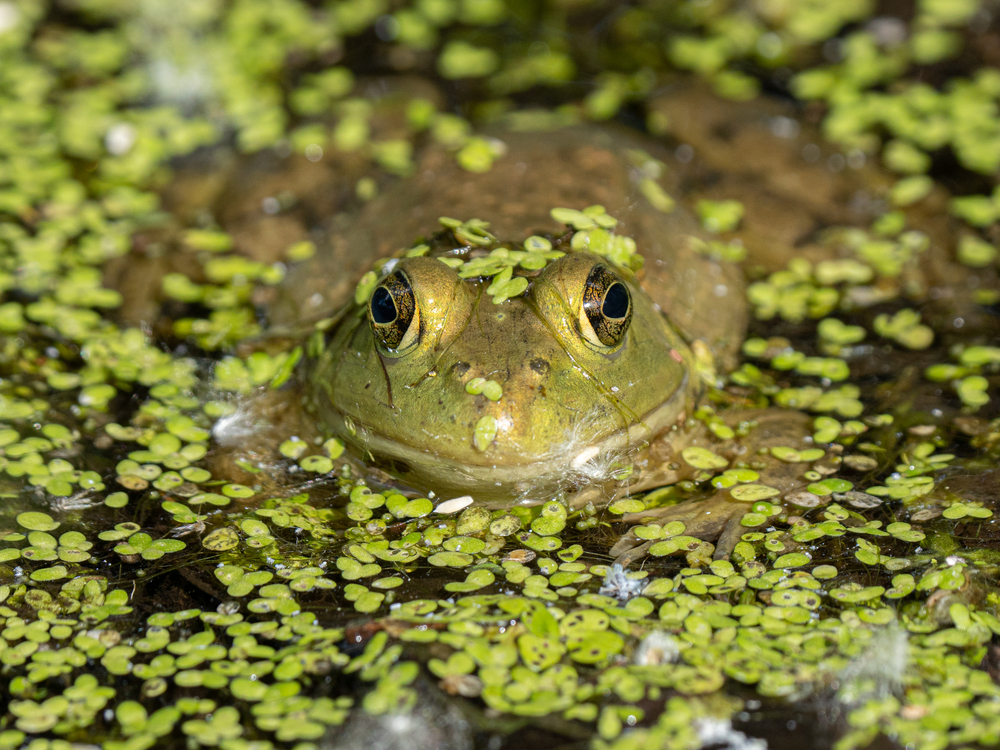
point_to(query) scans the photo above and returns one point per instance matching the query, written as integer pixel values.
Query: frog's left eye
(607, 307)
(393, 312)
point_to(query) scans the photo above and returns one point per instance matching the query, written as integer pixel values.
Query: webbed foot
(715, 519)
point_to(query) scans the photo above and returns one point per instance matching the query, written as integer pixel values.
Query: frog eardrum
(393, 312)
(607, 307)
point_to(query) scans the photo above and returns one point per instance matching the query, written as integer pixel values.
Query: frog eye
(393, 312)
(607, 307)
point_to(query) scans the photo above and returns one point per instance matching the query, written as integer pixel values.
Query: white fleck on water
(720, 733)
(656, 649)
(9, 16)
(119, 139)
(454, 505)
(618, 584)
(878, 670)
(784, 127)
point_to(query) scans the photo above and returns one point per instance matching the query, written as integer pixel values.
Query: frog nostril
(539, 366)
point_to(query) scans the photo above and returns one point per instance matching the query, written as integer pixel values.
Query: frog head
(451, 386)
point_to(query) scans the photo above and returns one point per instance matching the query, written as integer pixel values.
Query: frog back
(572, 168)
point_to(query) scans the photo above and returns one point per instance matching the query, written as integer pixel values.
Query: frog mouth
(575, 461)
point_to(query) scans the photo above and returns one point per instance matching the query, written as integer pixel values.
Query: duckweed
(703, 458)
(489, 388)
(84, 656)
(720, 216)
(485, 432)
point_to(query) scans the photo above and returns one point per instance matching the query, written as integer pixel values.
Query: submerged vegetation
(150, 595)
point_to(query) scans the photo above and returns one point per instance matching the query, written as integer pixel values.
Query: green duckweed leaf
(539, 653)
(702, 458)
(35, 521)
(222, 539)
(450, 560)
(753, 492)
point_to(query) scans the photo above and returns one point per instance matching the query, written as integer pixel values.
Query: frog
(578, 374)
(595, 377)
(598, 363)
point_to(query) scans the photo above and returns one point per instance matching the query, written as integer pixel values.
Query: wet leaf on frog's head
(485, 432)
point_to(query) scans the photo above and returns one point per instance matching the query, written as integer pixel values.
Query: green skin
(569, 402)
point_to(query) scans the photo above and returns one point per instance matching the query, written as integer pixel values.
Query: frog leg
(264, 418)
(630, 548)
(718, 518)
(714, 519)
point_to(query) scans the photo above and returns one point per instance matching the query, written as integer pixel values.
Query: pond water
(186, 560)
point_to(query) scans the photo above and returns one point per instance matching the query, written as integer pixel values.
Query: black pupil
(615, 301)
(383, 308)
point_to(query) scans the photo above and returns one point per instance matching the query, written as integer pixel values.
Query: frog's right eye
(606, 309)
(393, 313)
